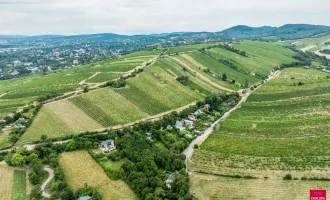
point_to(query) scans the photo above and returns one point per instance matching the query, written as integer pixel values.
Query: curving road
(44, 185)
(188, 152)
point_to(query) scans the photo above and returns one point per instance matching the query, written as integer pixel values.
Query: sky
(68, 17)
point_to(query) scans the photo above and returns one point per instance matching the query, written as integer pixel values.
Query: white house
(189, 124)
(107, 146)
(149, 136)
(198, 112)
(179, 125)
(169, 180)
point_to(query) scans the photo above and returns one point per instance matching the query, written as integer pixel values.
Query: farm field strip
(80, 168)
(19, 186)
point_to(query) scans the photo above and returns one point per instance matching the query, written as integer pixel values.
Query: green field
(154, 91)
(4, 139)
(185, 48)
(19, 186)
(104, 76)
(283, 126)
(20, 91)
(219, 69)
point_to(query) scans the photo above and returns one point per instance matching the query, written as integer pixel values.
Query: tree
(18, 160)
(246, 84)
(43, 138)
(224, 77)
(86, 89)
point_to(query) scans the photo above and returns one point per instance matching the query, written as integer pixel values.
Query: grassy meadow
(80, 168)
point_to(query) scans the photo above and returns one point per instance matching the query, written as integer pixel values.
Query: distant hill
(288, 31)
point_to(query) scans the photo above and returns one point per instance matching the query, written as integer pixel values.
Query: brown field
(6, 177)
(210, 187)
(80, 168)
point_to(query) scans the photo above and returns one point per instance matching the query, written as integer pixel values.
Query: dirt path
(322, 54)
(188, 152)
(308, 48)
(84, 82)
(44, 185)
(200, 75)
(3, 94)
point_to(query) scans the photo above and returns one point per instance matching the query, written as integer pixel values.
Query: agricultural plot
(186, 48)
(45, 123)
(248, 65)
(13, 184)
(154, 91)
(104, 76)
(216, 187)
(218, 69)
(4, 139)
(80, 168)
(20, 91)
(107, 107)
(271, 52)
(284, 127)
(317, 42)
(19, 186)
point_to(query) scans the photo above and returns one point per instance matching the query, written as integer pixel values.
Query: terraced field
(154, 91)
(20, 91)
(282, 128)
(80, 168)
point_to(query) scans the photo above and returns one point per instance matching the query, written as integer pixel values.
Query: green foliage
(183, 80)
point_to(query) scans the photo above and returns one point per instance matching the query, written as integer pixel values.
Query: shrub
(287, 177)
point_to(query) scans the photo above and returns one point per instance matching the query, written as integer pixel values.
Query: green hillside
(283, 126)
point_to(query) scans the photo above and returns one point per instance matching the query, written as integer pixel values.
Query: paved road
(188, 152)
(44, 185)
(200, 75)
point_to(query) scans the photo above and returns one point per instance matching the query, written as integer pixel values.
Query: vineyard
(80, 168)
(216, 187)
(20, 91)
(154, 91)
(283, 127)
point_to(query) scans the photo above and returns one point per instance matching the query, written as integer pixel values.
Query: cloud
(152, 16)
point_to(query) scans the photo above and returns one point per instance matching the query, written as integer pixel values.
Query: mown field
(80, 168)
(13, 184)
(153, 91)
(4, 139)
(20, 91)
(208, 187)
(284, 127)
